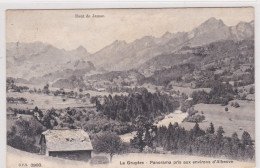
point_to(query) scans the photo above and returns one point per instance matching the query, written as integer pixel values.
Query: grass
(188, 90)
(43, 101)
(14, 157)
(128, 136)
(234, 120)
(177, 116)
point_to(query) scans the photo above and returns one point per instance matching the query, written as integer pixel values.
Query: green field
(188, 90)
(235, 120)
(43, 101)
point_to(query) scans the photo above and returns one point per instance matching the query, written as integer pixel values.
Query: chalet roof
(67, 140)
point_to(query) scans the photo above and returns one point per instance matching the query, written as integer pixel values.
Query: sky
(63, 30)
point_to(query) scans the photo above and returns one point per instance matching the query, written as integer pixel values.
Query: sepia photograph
(140, 88)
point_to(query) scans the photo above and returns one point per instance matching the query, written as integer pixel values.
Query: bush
(23, 135)
(236, 105)
(243, 97)
(99, 160)
(252, 90)
(195, 118)
(186, 105)
(108, 142)
(220, 94)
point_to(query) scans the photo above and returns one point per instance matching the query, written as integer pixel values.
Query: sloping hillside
(110, 76)
(79, 69)
(199, 55)
(70, 83)
(223, 60)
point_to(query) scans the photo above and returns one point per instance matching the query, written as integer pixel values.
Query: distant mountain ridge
(124, 56)
(30, 60)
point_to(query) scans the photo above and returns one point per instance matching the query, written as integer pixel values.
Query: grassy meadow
(234, 120)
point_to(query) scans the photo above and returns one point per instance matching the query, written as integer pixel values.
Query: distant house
(101, 89)
(71, 144)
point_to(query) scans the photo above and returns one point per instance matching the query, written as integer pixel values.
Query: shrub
(99, 160)
(252, 90)
(195, 118)
(23, 135)
(109, 143)
(236, 105)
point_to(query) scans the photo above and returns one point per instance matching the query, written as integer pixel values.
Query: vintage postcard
(120, 88)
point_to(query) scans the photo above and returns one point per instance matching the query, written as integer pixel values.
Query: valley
(180, 93)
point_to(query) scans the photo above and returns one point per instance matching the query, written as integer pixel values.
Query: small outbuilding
(71, 144)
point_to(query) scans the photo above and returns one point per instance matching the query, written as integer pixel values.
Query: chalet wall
(73, 155)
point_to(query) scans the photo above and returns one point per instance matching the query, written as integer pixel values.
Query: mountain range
(43, 62)
(28, 60)
(133, 55)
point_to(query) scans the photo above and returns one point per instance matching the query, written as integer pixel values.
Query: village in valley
(186, 93)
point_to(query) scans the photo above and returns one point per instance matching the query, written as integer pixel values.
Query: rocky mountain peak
(81, 48)
(212, 23)
(167, 35)
(119, 42)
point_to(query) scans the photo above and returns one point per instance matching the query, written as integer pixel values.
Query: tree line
(128, 108)
(196, 141)
(16, 100)
(221, 93)
(88, 119)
